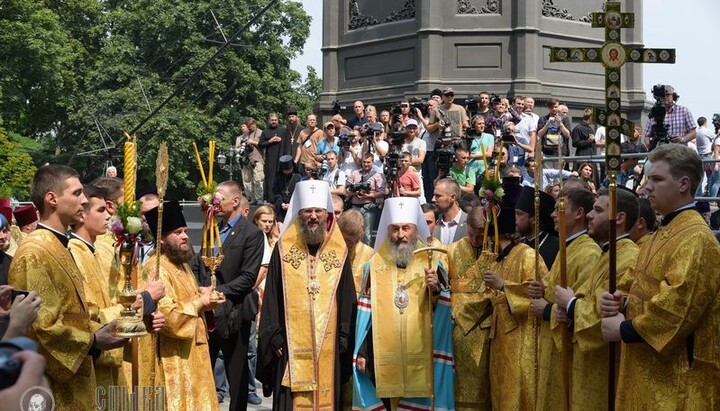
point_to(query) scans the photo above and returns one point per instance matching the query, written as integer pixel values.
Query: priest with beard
(400, 323)
(183, 341)
(305, 336)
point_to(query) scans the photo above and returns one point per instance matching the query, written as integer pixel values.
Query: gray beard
(176, 255)
(313, 237)
(402, 253)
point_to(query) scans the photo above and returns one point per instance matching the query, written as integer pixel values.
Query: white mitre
(308, 194)
(401, 210)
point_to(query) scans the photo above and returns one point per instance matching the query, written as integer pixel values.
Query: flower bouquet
(131, 233)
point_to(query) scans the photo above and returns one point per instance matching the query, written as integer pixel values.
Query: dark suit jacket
(243, 250)
(460, 232)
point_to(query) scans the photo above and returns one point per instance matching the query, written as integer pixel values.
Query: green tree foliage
(16, 169)
(73, 67)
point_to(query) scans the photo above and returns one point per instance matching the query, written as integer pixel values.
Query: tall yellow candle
(200, 166)
(130, 167)
(212, 158)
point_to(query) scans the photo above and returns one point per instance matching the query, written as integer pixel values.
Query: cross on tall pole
(612, 55)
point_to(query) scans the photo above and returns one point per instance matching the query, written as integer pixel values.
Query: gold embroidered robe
(472, 313)
(108, 365)
(589, 386)
(361, 255)
(402, 344)
(674, 296)
(63, 329)
(513, 347)
(582, 254)
(183, 341)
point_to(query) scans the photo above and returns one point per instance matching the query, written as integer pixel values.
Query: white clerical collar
(47, 227)
(576, 235)
(87, 243)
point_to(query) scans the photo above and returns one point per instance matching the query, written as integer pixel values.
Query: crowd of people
(389, 261)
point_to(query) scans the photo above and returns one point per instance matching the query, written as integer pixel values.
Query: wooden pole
(563, 280)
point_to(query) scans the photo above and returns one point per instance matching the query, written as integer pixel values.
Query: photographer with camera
(365, 188)
(449, 118)
(551, 128)
(374, 143)
(501, 114)
(309, 137)
(252, 160)
(351, 151)
(669, 122)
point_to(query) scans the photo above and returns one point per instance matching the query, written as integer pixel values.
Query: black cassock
(549, 247)
(271, 334)
(273, 152)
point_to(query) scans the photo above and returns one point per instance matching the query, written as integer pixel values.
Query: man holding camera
(551, 128)
(678, 120)
(333, 175)
(364, 187)
(253, 163)
(450, 119)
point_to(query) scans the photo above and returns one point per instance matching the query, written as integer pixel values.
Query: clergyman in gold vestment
(590, 361)
(670, 324)
(66, 336)
(183, 340)
(304, 354)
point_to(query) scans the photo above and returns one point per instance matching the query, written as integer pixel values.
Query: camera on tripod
(659, 132)
(421, 104)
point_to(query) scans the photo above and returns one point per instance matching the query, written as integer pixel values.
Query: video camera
(659, 132)
(358, 187)
(716, 122)
(495, 99)
(421, 104)
(344, 141)
(337, 108)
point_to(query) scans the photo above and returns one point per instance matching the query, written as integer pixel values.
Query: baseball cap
(411, 122)
(448, 90)
(328, 124)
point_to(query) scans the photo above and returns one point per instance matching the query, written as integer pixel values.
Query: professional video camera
(362, 187)
(337, 108)
(495, 99)
(444, 158)
(716, 122)
(344, 141)
(419, 103)
(658, 132)
(244, 151)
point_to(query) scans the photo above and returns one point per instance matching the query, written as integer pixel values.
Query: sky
(692, 31)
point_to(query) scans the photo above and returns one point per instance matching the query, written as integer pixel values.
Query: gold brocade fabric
(108, 364)
(472, 310)
(513, 348)
(16, 237)
(183, 342)
(590, 351)
(105, 252)
(63, 329)
(581, 256)
(402, 343)
(363, 252)
(674, 296)
(310, 286)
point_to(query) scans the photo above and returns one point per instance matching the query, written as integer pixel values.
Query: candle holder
(129, 325)
(212, 263)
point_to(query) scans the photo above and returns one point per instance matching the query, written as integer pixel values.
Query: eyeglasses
(450, 95)
(404, 105)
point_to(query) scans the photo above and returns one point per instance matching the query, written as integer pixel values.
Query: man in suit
(452, 224)
(242, 244)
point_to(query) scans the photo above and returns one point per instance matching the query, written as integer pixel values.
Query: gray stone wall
(381, 51)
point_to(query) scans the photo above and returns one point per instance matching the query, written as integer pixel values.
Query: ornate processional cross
(613, 55)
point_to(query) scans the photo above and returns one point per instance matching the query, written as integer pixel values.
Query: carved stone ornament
(549, 9)
(359, 20)
(490, 7)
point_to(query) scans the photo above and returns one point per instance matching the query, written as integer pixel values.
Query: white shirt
(414, 148)
(447, 230)
(527, 125)
(600, 137)
(348, 165)
(704, 138)
(335, 178)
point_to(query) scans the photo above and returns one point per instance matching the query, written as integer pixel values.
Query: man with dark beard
(276, 141)
(183, 341)
(396, 341)
(307, 312)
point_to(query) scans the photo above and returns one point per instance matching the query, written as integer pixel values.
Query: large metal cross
(613, 55)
